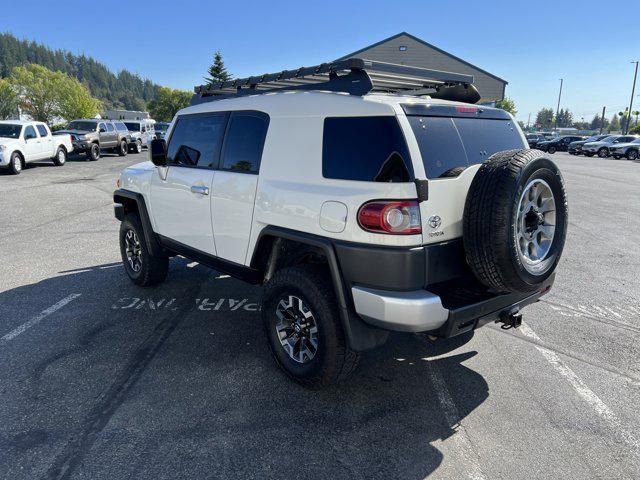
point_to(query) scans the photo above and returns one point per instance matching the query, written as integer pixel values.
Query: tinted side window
(369, 149)
(243, 142)
(43, 130)
(440, 146)
(110, 127)
(196, 141)
(29, 132)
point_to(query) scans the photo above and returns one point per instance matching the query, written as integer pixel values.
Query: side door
(111, 136)
(47, 141)
(180, 192)
(33, 144)
(234, 185)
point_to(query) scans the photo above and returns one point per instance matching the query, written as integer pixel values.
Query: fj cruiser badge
(434, 221)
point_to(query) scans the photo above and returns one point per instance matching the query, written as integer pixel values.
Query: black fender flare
(360, 335)
(124, 202)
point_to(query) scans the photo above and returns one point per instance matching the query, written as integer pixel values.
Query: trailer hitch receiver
(509, 320)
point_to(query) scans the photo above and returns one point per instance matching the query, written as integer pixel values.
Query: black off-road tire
(93, 153)
(16, 164)
(153, 269)
(334, 361)
(122, 149)
(490, 217)
(57, 160)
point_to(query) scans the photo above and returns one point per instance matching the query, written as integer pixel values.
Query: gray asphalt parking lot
(101, 379)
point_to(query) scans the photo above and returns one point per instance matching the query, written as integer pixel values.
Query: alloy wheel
(297, 329)
(133, 250)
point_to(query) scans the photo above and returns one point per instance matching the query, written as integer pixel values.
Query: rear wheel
(515, 220)
(632, 155)
(303, 327)
(142, 268)
(552, 150)
(15, 164)
(61, 157)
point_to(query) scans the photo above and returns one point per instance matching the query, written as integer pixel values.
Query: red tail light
(397, 217)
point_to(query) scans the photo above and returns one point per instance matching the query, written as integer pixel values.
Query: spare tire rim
(535, 224)
(133, 250)
(297, 329)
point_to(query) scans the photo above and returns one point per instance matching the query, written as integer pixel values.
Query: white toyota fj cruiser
(364, 196)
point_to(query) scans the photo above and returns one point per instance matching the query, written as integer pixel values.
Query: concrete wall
(418, 54)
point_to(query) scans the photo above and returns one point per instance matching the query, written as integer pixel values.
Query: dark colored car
(560, 144)
(534, 138)
(90, 136)
(575, 148)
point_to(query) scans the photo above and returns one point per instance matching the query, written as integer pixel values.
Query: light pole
(633, 91)
(558, 107)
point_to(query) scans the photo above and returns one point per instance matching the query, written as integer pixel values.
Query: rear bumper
(426, 311)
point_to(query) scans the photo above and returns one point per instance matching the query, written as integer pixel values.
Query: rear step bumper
(423, 311)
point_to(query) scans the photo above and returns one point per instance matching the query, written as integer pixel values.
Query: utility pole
(558, 107)
(633, 91)
(529, 120)
(602, 123)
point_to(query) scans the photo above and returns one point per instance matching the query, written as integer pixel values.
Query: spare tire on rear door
(515, 220)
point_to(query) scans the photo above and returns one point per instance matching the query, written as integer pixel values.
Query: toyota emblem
(434, 221)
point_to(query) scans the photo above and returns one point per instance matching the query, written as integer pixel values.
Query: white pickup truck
(23, 142)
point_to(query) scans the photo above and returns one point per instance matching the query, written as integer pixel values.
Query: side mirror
(159, 152)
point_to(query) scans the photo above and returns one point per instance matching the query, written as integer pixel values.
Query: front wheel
(122, 148)
(603, 152)
(303, 327)
(15, 164)
(137, 147)
(61, 157)
(93, 153)
(142, 268)
(632, 155)
(552, 150)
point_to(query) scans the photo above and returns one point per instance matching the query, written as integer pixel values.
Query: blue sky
(530, 44)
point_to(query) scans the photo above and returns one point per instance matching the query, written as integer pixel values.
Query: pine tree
(217, 71)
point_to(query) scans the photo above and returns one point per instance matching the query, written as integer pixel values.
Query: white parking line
(452, 416)
(38, 318)
(601, 408)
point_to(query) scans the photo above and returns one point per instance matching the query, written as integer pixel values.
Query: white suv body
(370, 189)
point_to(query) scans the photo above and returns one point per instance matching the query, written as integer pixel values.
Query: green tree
(217, 71)
(544, 119)
(169, 101)
(75, 101)
(596, 123)
(508, 105)
(8, 100)
(614, 125)
(565, 118)
(39, 90)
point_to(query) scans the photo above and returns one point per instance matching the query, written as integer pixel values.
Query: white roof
(19, 122)
(314, 103)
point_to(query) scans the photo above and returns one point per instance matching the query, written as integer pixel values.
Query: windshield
(85, 126)
(132, 126)
(10, 131)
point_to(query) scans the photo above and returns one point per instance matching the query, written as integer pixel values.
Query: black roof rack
(355, 76)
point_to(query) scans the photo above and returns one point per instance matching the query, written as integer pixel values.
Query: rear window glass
(448, 145)
(370, 149)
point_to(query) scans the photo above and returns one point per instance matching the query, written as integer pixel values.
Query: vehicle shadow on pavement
(194, 393)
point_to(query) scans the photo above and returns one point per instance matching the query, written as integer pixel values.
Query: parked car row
(604, 145)
(22, 142)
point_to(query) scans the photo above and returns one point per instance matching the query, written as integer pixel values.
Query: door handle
(200, 189)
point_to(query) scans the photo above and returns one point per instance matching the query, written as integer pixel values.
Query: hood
(595, 144)
(142, 166)
(75, 132)
(7, 141)
(578, 142)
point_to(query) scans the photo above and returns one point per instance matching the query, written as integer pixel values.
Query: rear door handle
(200, 189)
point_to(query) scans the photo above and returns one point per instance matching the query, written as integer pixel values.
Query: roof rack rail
(355, 76)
